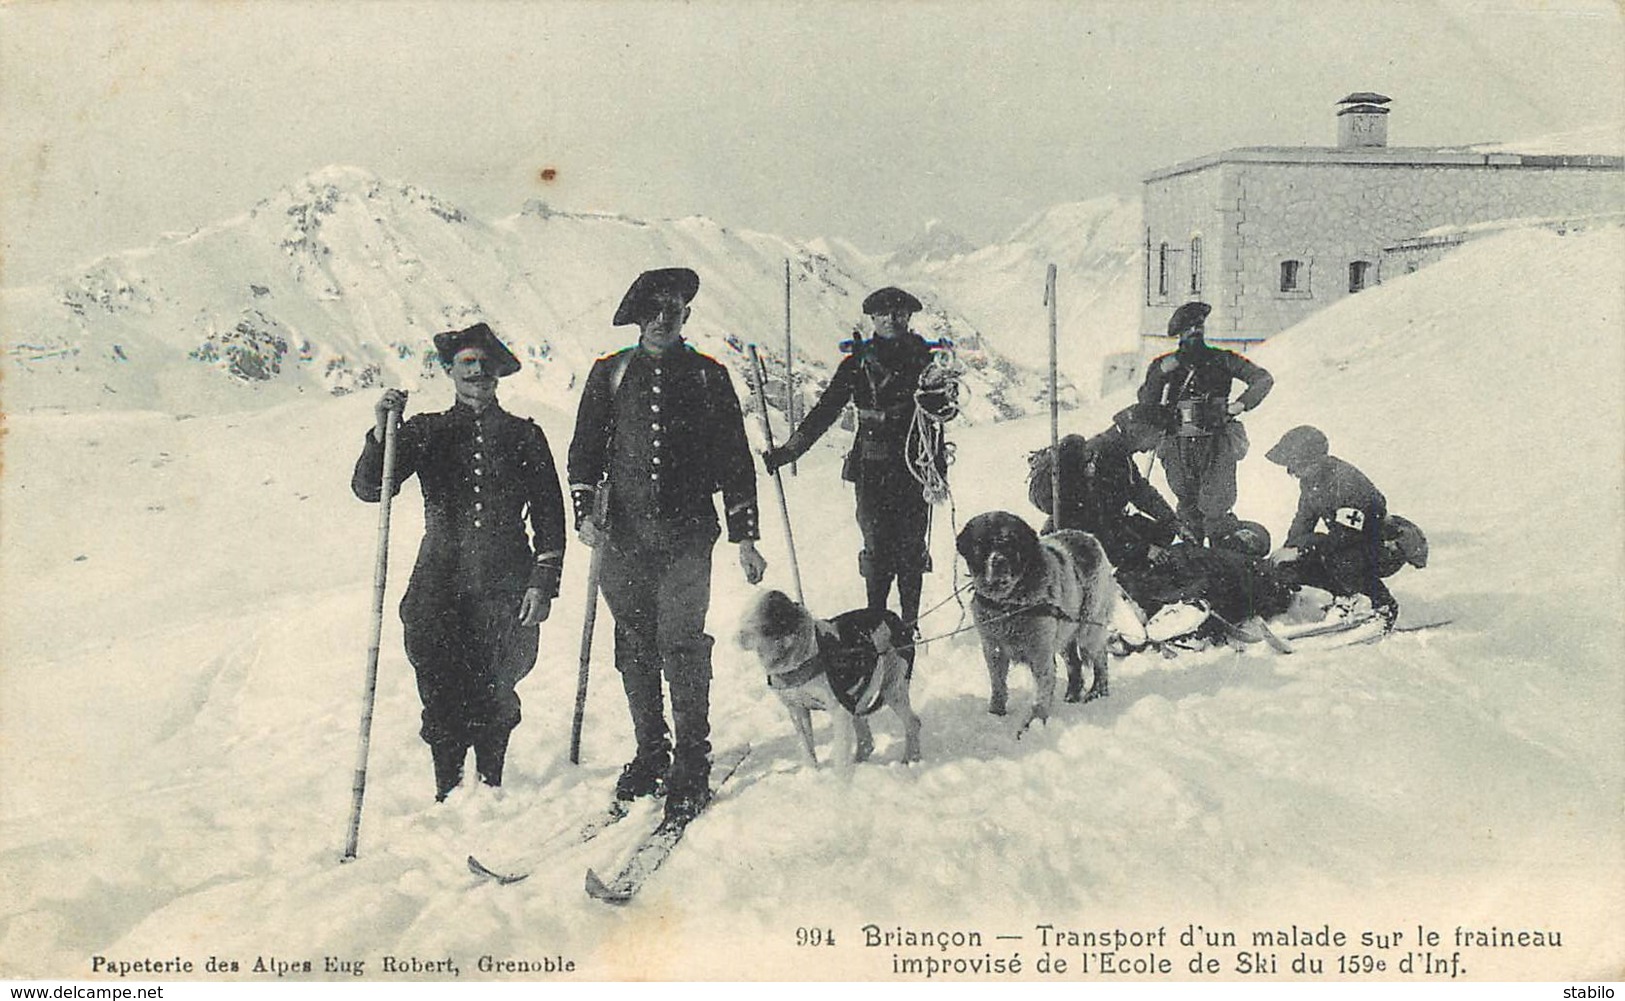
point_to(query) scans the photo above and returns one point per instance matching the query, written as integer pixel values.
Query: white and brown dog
(848, 666)
(1035, 597)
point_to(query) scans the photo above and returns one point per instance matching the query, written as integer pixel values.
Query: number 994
(815, 936)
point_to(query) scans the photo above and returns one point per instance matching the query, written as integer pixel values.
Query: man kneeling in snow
(1348, 558)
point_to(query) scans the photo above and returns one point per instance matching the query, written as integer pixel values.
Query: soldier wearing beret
(1347, 558)
(659, 429)
(1207, 441)
(482, 585)
(881, 377)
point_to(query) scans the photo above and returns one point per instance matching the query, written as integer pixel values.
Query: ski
(598, 823)
(654, 849)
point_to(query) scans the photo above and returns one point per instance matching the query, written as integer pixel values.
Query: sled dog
(849, 666)
(1036, 597)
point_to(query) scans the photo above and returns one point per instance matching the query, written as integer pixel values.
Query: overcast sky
(856, 120)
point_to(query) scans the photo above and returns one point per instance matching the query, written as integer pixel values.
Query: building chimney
(1362, 121)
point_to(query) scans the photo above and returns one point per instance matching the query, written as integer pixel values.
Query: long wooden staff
(590, 618)
(1054, 403)
(379, 574)
(778, 481)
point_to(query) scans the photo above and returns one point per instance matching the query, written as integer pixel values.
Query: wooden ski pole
(760, 372)
(1054, 403)
(379, 574)
(590, 618)
(790, 407)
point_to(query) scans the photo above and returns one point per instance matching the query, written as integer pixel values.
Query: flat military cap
(890, 301)
(1188, 317)
(643, 298)
(478, 336)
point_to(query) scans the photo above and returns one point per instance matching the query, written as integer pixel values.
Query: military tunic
(485, 478)
(663, 433)
(880, 379)
(1200, 457)
(1347, 557)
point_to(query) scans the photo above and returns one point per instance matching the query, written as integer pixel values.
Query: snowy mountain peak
(937, 242)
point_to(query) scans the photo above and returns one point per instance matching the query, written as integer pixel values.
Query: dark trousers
(657, 584)
(894, 518)
(469, 651)
(1343, 567)
(1201, 472)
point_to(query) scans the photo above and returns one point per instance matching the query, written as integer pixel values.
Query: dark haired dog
(1036, 597)
(849, 666)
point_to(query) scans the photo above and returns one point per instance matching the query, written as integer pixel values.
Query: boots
(448, 768)
(689, 790)
(644, 775)
(490, 752)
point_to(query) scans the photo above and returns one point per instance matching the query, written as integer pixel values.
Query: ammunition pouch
(1200, 417)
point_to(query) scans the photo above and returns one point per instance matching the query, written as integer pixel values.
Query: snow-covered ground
(183, 640)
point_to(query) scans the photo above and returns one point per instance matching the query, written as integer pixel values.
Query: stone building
(1267, 235)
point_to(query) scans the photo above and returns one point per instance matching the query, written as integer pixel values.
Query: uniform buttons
(477, 523)
(479, 455)
(655, 426)
(656, 460)
(476, 488)
(657, 389)
(478, 506)
(655, 407)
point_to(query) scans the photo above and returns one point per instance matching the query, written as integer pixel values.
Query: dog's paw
(996, 709)
(1036, 716)
(1095, 693)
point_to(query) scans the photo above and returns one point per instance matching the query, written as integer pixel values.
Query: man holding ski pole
(660, 429)
(882, 379)
(482, 585)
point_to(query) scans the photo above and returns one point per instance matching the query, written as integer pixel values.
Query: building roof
(1390, 156)
(1366, 97)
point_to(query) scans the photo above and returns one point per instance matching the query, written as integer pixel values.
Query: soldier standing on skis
(481, 587)
(1346, 559)
(882, 378)
(1200, 455)
(659, 428)
(1104, 493)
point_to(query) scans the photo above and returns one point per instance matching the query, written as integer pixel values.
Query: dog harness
(849, 654)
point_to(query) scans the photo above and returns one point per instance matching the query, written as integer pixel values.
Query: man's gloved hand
(773, 458)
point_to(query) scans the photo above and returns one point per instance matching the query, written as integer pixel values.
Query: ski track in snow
(184, 640)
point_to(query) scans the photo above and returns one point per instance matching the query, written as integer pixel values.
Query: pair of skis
(1354, 631)
(649, 855)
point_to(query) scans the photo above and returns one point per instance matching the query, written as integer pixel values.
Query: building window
(1295, 278)
(1162, 270)
(1196, 265)
(1359, 275)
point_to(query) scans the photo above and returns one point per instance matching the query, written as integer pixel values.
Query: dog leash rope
(997, 618)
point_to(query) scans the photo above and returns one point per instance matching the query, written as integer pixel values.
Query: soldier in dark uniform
(1347, 559)
(481, 586)
(1103, 492)
(1207, 442)
(881, 377)
(659, 428)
